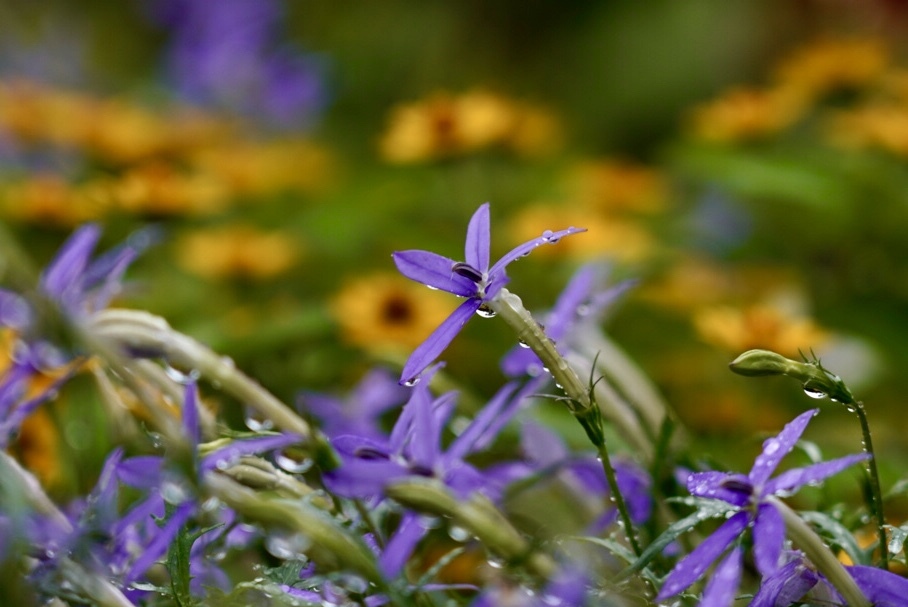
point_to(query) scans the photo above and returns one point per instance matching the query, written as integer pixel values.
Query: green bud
(756, 363)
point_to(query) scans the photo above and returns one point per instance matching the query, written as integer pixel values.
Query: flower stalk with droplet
(482, 285)
(819, 382)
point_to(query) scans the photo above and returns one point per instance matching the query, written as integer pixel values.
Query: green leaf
(838, 535)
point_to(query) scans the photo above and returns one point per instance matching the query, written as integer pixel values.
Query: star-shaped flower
(749, 494)
(473, 279)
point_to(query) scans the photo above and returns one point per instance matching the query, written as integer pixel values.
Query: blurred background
(746, 162)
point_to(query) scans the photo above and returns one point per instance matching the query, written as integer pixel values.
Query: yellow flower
(382, 311)
(827, 65)
(614, 185)
(38, 447)
(758, 326)
(619, 238)
(161, 188)
(445, 125)
(34, 113)
(47, 199)
(249, 168)
(743, 114)
(881, 126)
(535, 131)
(237, 251)
(688, 283)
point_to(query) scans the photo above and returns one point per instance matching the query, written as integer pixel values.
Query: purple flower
(796, 581)
(584, 300)
(748, 495)
(229, 54)
(567, 588)
(359, 412)
(414, 449)
(473, 279)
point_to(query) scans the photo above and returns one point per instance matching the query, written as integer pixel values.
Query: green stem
(876, 501)
(819, 554)
(581, 402)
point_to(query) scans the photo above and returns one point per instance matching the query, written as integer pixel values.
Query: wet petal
(493, 415)
(401, 545)
(476, 248)
(788, 584)
(723, 585)
(527, 247)
(435, 344)
(692, 567)
(769, 536)
(882, 588)
(777, 447)
(792, 480)
(433, 270)
(14, 311)
(732, 488)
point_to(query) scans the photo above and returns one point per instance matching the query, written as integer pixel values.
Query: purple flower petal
(64, 273)
(433, 270)
(882, 588)
(436, 343)
(363, 478)
(769, 537)
(777, 447)
(401, 545)
(527, 247)
(14, 311)
(787, 585)
(692, 567)
(158, 545)
(723, 585)
(476, 248)
(792, 480)
(476, 436)
(424, 448)
(732, 488)
(142, 471)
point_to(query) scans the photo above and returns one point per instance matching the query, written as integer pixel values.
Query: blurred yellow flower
(830, 64)
(34, 113)
(161, 188)
(47, 199)
(237, 251)
(880, 126)
(743, 114)
(445, 125)
(615, 185)
(381, 311)
(37, 446)
(688, 283)
(250, 168)
(758, 326)
(622, 239)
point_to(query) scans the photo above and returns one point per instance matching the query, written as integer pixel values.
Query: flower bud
(755, 363)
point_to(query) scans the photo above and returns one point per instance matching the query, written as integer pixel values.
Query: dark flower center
(397, 309)
(467, 271)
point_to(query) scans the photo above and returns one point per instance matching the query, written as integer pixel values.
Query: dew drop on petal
(257, 424)
(485, 311)
(180, 377)
(547, 235)
(771, 446)
(458, 534)
(411, 382)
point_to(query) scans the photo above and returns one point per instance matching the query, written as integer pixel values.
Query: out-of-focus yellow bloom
(38, 447)
(33, 113)
(237, 251)
(47, 199)
(614, 237)
(758, 326)
(689, 283)
(161, 188)
(614, 185)
(881, 126)
(827, 65)
(382, 311)
(250, 168)
(446, 125)
(743, 114)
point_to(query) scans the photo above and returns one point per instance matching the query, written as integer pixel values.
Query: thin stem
(876, 502)
(623, 512)
(820, 555)
(581, 403)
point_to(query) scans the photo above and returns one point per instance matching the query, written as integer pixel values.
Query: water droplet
(496, 563)
(582, 310)
(291, 464)
(257, 424)
(771, 446)
(174, 492)
(547, 235)
(814, 393)
(287, 546)
(431, 288)
(459, 534)
(485, 311)
(179, 376)
(211, 504)
(411, 382)
(522, 343)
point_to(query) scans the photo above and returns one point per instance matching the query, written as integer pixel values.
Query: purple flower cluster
(229, 54)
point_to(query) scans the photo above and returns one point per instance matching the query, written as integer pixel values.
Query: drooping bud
(816, 380)
(756, 363)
